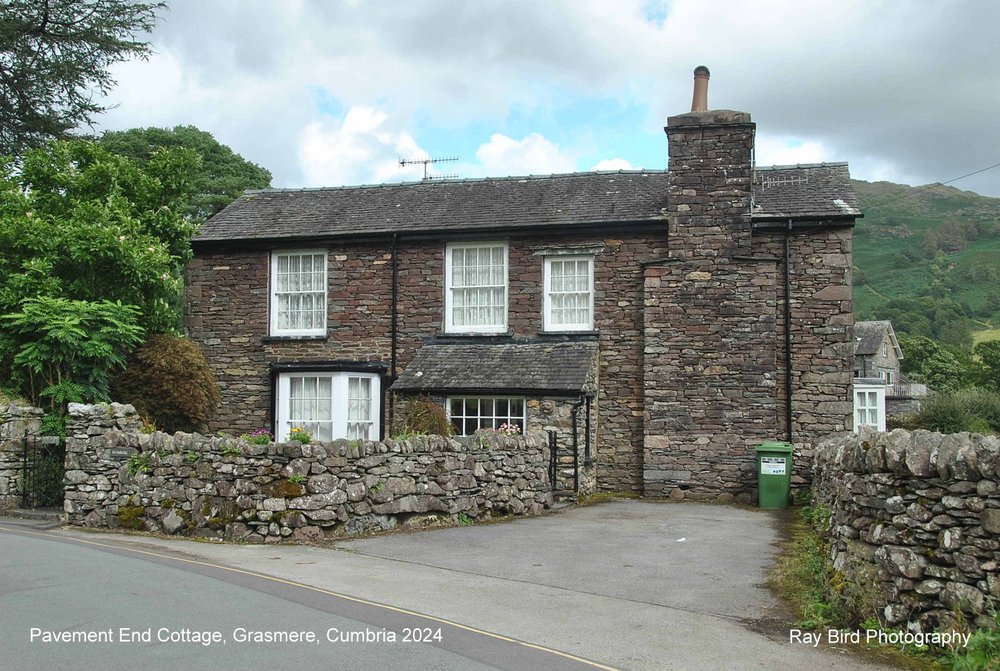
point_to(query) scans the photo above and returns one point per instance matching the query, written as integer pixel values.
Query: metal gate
(44, 465)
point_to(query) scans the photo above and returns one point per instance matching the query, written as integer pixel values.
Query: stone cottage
(662, 322)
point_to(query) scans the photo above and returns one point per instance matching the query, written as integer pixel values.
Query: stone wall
(918, 515)
(15, 421)
(223, 487)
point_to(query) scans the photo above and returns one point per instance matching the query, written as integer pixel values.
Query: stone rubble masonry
(227, 314)
(221, 487)
(15, 421)
(917, 515)
(714, 325)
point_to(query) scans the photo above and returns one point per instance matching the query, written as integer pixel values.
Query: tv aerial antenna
(403, 162)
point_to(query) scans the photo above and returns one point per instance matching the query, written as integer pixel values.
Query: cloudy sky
(326, 93)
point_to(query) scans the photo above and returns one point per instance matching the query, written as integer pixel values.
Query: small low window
(468, 415)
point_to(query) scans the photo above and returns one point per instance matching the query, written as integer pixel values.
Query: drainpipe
(588, 460)
(395, 310)
(576, 444)
(788, 335)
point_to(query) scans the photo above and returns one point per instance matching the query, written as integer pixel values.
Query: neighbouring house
(886, 389)
(876, 351)
(660, 322)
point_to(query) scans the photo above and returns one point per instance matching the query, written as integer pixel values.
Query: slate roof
(508, 367)
(442, 205)
(868, 337)
(470, 205)
(813, 190)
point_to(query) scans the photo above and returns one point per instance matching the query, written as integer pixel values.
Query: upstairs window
(476, 288)
(298, 293)
(569, 293)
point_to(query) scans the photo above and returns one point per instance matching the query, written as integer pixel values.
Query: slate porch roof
(868, 337)
(470, 205)
(495, 368)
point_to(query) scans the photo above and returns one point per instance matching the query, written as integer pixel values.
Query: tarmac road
(636, 585)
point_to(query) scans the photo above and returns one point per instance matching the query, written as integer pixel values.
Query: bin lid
(775, 446)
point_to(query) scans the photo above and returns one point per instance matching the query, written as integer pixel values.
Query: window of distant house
(868, 408)
(885, 349)
(888, 377)
(329, 405)
(467, 415)
(298, 293)
(569, 293)
(476, 288)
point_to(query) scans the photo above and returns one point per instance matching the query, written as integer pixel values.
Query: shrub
(171, 385)
(974, 410)
(421, 416)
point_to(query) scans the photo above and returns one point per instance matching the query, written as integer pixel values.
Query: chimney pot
(699, 103)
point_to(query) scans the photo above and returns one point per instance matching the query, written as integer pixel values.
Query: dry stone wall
(917, 514)
(223, 487)
(15, 421)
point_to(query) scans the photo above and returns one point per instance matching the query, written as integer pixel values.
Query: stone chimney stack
(709, 177)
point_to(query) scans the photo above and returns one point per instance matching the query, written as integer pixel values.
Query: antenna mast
(403, 162)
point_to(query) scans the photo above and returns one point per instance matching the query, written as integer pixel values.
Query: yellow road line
(347, 597)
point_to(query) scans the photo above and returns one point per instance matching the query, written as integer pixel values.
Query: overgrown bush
(421, 416)
(974, 410)
(170, 383)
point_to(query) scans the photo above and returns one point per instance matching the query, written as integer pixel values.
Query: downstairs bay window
(328, 405)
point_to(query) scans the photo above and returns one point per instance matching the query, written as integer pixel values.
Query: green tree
(55, 55)
(988, 352)
(94, 247)
(220, 179)
(62, 350)
(79, 223)
(939, 366)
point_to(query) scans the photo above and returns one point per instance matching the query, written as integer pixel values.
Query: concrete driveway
(629, 584)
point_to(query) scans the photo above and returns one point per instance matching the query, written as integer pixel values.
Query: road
(78, 603)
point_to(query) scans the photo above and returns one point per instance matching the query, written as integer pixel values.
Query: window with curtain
(298, 293)
(569, 293)
(476, 288)
(329, 405)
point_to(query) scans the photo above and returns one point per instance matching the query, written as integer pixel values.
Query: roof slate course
(815, 190)
(499, 367)
(868, 336)
(485, 204)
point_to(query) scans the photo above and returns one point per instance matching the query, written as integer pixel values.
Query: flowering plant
(300, 434)
(258, 437)
(509, 429)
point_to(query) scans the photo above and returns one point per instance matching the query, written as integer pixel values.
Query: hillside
(929, 261)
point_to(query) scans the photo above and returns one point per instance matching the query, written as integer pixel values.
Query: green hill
(928, 258)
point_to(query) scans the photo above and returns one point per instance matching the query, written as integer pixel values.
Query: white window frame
(449, 326)
(339, 403)
(273, 277)
(547, 324)
(523, 417)
(869, 400)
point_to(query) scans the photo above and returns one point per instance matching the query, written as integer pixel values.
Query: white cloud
(771, 150)
(362, 148)
(613, 164)
(533, 155)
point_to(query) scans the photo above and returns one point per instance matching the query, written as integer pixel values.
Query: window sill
(295, 338)
(562, 334)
